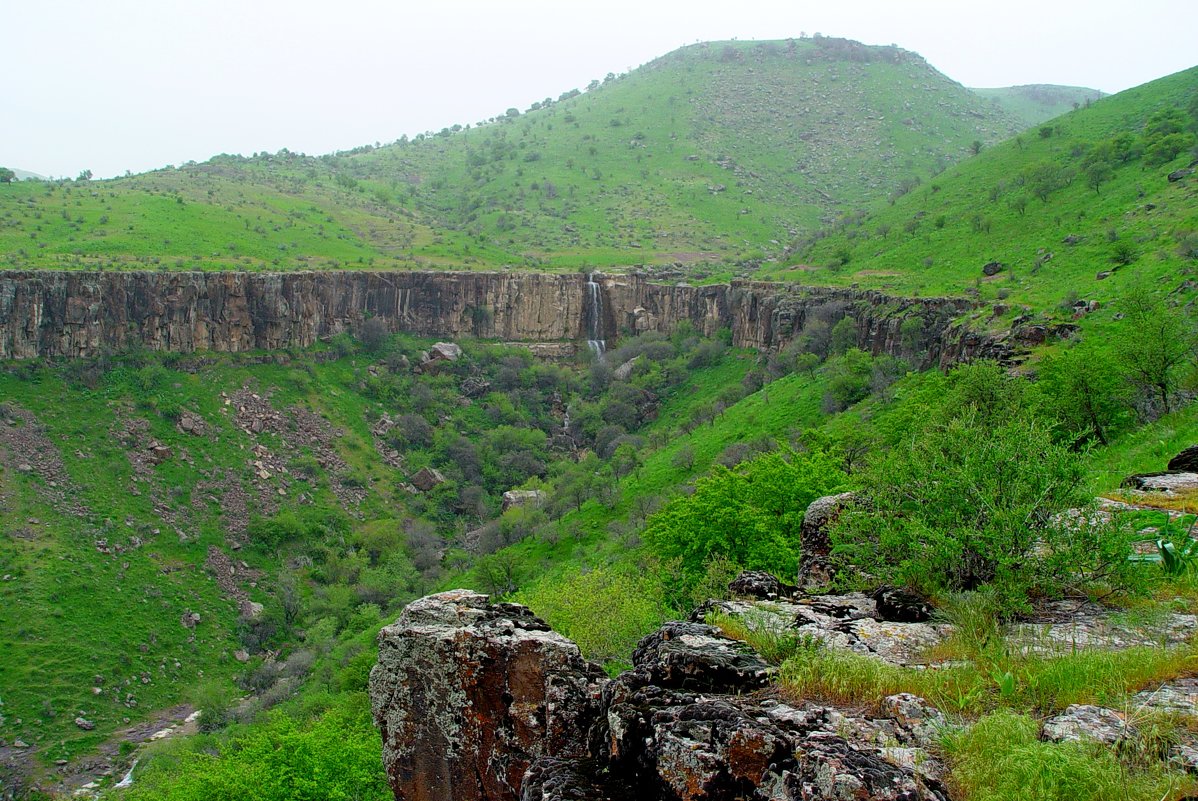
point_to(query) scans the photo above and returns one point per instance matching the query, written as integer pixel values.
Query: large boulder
(447, 351)
(1186, 461)
(427, 478)
(695, 656)
(815, 569)
(468, 694)
(534, 498)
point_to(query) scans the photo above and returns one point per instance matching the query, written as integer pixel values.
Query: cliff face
(81, 314)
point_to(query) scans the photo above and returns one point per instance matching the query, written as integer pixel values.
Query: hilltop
(1085, 205)
(720, 152)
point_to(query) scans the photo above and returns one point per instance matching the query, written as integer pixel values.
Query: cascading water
(594, 318)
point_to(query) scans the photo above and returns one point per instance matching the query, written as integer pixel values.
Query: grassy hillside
(721, 152)
(1059, 208)
(120, 516)
(1035, 103)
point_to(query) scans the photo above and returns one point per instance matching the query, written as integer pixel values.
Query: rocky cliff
(81, 314)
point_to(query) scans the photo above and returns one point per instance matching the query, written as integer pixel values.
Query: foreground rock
(1168, 482)
(468, 694)
(482, 701)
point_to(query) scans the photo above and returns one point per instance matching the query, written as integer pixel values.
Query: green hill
(1083, 205)
(1037, 102)
(719, 152)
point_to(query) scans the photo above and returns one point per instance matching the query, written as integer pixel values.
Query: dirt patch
(144, 453)
(232, 578)
(225, 489)
(25, 448)
(299, 429)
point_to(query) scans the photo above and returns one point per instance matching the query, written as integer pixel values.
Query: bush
(605, 610)
(974, 497)
(215, 702)
(750, 515)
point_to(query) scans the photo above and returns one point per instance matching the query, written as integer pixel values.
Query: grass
(979, 684)
(1000, 758)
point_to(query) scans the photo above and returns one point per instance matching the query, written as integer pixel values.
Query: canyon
(69, 314)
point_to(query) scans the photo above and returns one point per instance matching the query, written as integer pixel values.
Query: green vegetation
(334, 756)
(1084, 194)
(1000, 759)
(244, 566)
(974, 495)
(749, 514)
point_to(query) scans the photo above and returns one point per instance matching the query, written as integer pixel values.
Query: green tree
(1097, 174)
(1087, 392)
(972, 496)
(844, 335)
(7, 176)
(1154, 345)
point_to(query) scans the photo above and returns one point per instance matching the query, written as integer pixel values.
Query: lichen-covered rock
(694, 656)
(467, 694)
(759, 584)
(1086, 722)
(831, 769)
(815, 569)
(922, 721)
(555, 779)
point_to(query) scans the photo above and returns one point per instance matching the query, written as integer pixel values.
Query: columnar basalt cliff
(82, 314)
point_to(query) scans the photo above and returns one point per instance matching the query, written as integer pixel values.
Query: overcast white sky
(115, 85)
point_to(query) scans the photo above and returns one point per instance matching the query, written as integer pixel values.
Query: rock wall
(82, 314)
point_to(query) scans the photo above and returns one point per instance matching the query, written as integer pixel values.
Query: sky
(130, 85)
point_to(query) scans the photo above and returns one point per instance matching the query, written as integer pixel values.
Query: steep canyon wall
(83, 314)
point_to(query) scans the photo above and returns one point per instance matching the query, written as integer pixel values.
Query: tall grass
(1000, 758)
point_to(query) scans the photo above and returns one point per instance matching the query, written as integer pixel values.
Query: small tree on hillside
(1086, 393)
(1154, 344)
(7, 176)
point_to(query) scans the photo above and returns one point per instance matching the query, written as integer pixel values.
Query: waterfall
(594, 318)
(128, 780)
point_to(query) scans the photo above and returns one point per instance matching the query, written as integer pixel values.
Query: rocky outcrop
(468, 694)
(482, 701)
(82, 314)
(815, 544)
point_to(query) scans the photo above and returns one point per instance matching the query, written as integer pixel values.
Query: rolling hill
(721, 152)
(1034, 103)
(1085, 205)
